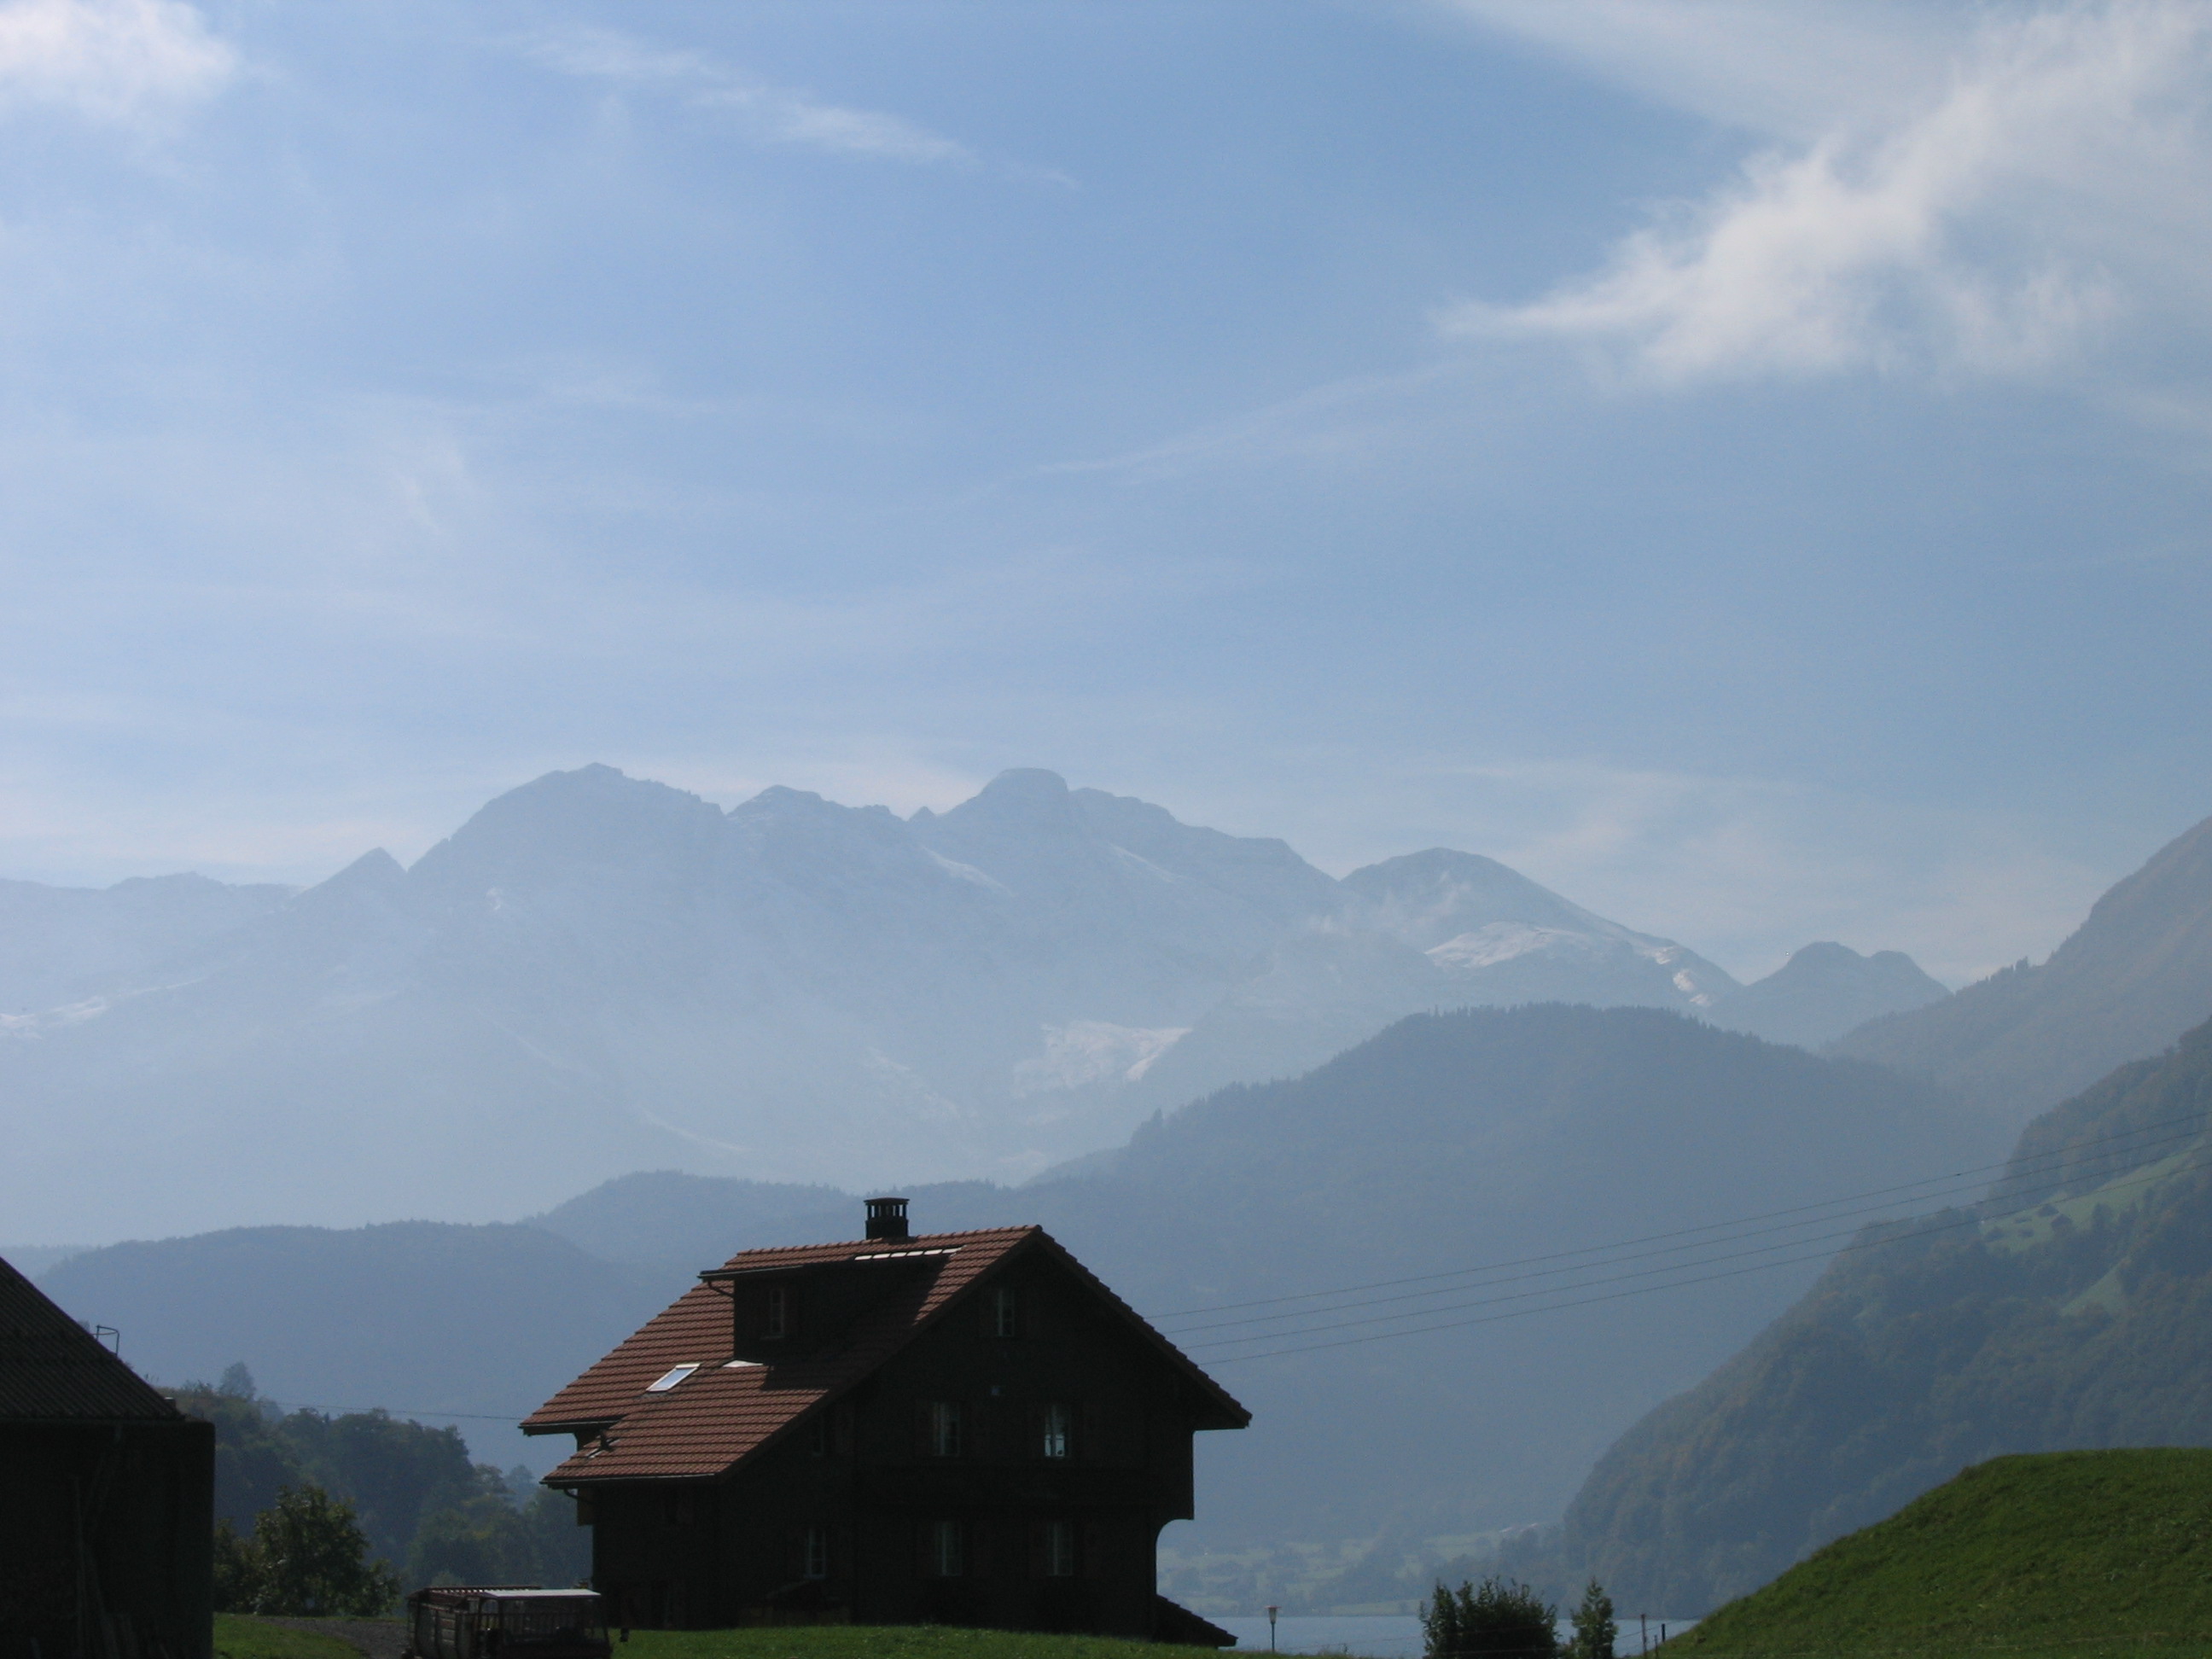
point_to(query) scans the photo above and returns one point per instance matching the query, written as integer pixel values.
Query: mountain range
(597, 974)
(1431, 1153)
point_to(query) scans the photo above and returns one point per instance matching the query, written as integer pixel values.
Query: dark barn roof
(722, 1413)
(52, 1369)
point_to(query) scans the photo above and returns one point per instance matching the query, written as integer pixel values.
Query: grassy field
(2093, 1554)
(886, 1642)
(240, 1637)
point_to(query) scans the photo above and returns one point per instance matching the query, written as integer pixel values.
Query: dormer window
(778, 1322)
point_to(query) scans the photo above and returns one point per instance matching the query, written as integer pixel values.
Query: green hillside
(2071, 1311)
(2098, 1554)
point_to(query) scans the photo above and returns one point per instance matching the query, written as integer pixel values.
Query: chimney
(887, 1220)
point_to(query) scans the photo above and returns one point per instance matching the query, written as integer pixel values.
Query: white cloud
(109, 60)
(1999, 217)
(778, 114)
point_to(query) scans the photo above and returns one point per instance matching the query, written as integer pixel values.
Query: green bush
(306, 1558)
(1499, 1617)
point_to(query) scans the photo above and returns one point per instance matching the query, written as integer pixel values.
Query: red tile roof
(719, 1415)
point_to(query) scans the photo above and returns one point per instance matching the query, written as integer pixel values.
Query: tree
(237, 1571)
(1497, 1618)
(1594, 1629)
(306, 1557)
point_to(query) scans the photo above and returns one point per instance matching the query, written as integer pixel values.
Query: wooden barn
(960, 1428)
(106, 1535)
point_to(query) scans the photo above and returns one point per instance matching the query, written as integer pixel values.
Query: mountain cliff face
(2072, 1309)
(2133, 977)
(598, 974)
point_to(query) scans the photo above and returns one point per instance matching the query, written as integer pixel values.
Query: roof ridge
(887, 1244)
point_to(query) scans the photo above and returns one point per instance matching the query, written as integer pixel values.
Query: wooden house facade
(107, 1532)
(961, 1428)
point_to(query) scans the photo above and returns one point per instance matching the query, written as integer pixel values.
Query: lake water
(1379, 1636)
(1375, 1636)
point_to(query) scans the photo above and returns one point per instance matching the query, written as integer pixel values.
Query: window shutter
(1092, 1562)
(1039, 1566)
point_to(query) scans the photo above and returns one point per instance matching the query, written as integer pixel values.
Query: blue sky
(1745, 465)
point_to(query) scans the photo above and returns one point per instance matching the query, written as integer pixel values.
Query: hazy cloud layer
(1998, 218)
(108, 60)
(777, 114)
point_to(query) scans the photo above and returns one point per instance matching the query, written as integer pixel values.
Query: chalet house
(107, 1531)
(961, 1428)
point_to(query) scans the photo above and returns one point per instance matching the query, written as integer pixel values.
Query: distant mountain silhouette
(2130, 981)
(1824, 990)
(1446, 1143)
(2072, 1309)
(425, 1317)
(60, 945)
(597, 974)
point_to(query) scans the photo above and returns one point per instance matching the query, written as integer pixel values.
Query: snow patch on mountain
(1088, 1051)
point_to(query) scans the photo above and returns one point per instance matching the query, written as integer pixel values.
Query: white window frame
(1055, 1432)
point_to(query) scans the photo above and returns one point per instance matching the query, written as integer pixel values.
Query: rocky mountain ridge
(597, 974)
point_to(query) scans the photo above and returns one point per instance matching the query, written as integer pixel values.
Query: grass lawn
(886, 1642)
(2093, 1555)
(237, 1637)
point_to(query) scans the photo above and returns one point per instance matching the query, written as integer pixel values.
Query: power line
(1952, 1178)
(1586, 1267)
(1648, 1290)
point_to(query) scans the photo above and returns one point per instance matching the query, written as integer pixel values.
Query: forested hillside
(2072, 1309)
(429, 1511)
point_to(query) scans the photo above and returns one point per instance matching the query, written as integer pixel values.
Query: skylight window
(671, 1379)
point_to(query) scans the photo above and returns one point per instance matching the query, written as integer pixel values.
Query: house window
(778, 1312)
(1006, 1312)
(1054, 1426)
(818, 1434)
(948, 1554)
(675, 1509)
(946, 1428)
(1058, 1552)
(814, 1552)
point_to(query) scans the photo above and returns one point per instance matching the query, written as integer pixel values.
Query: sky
(1745, 465)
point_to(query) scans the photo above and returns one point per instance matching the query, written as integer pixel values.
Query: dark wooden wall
(106, 1537)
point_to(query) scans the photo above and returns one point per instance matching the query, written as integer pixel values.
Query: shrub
(1497, 1618)
(306, 1558)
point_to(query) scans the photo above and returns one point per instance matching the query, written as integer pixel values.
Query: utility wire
(1520, 1296)
(1647, 1290)
(1952, 1178)
(1587, 1267)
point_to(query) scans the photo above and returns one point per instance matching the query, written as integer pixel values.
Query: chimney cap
(887, 1220)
